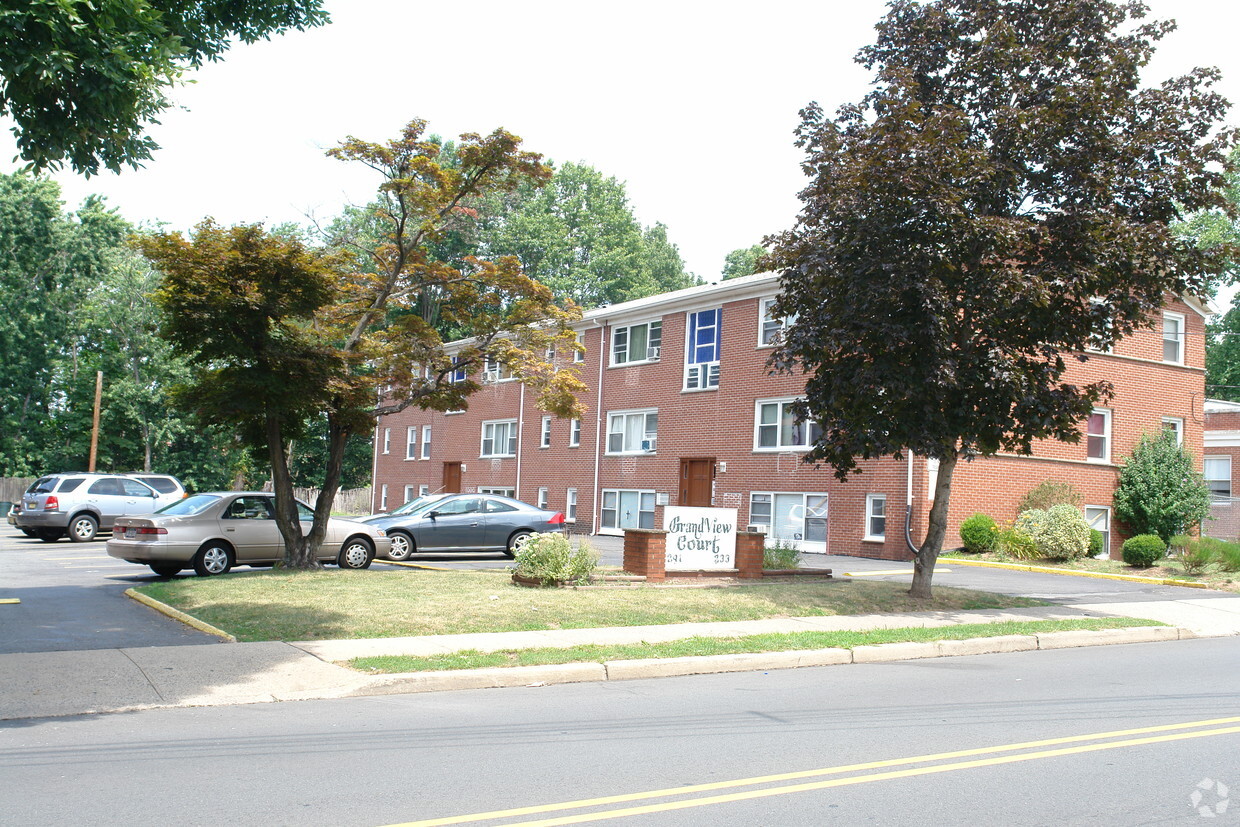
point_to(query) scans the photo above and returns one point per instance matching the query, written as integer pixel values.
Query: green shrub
(1144, 550)
(1031, 521)
(781, 555)
(1195, 555)
(1096, 539)
(550, 558)
(1061, 533)
(979, 533)
(1045, 494)
(1015, 543)
(1160, 490)
(1227, 554)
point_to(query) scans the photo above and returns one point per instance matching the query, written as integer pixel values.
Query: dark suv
(81, 505)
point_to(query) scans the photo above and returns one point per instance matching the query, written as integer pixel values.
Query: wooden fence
(354, 502)
(11, 490)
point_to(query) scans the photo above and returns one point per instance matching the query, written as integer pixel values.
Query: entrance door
(451, 478)
(696, 476)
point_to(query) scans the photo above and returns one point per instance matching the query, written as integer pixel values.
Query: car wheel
(166, 569)
(356, 554)
(402, 546)
(515, 542)
(82, 528)
(48, 535)
(213, 558)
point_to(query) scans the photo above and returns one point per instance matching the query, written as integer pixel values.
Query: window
(387, 440)
(636, 343)
(499, 438)
(1098, 436)
(1099, 519)
(544, 497)
(791, 517)
(626, 509)
(408, 493)
(495, 371)
(579, 352)
(1176, 426)
(875, 516)
(570, 506)
(1218, 475)
(632, 432)
(411, 442)
(546, 432)
(1173, 338)
(458, 374)
(1100, 342)
(771, 327)
(574, 433)
(776, 428)
(702, 358)
(383, 497)
(423, 490)
(426, 442)
(499, 492)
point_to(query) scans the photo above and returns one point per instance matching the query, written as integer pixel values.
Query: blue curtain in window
(704, 336)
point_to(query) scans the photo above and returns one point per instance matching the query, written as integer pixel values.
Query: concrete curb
(175, 614)
(1097, 575)
(621, 670)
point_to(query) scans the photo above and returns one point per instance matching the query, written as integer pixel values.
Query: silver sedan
(215, 531)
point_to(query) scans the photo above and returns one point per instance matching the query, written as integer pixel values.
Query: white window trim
(387, 440)
(764, 318)
(812, 546)
(574, 433)
(494, 372)
(611, 358)
(757, 423)
(423, 490)
(602, 496)
(426, 442)
(579, 355)
(1216, 457)
(512, 428)
(1177, 425)
(1106, 535)
(570, 505)
(383, 495)
(1106, 435)
(870, 499)
(627, 413)
(499, 491)
(409, 495)
(1180, 337)
(411, 442)
(711, 369)
(544, 440)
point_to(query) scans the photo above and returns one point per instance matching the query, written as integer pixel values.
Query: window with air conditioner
(636, 343)
(495, 371)
(796, 518)
(632, 432)
(702, 351)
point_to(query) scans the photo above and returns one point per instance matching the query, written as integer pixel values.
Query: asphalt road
(836, 745)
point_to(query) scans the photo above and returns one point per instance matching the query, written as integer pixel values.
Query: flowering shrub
(550, 558)
(1063, 533)
(1016, 543)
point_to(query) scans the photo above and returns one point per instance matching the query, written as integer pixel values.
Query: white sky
(692, 105)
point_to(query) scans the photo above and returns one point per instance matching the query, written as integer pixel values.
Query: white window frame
(1174, 424)
(411, 442)
(509, 426)
(1174, 339)
(1105, 436)
(648, 435)
(647, 494)
(387, 440)
(495, 371)
(1096, 344)
(423, 490)
(813, 546)
(871, 500)
(383, 494)
(409, 495)
(570, 505)
(771, 329)
(702, 375)
(807, 427)
(499, 491)
(1105, 513)
(579, 354)
(544, 497)
(426, 442)
(1205, 465)
(652, 350)
(574, 433)
(545, 440)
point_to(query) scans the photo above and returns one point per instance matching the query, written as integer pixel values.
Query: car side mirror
(433, 514)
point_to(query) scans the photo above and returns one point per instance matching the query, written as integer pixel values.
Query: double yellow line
(1025, 751)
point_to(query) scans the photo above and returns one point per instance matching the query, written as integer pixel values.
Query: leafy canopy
(83, 80)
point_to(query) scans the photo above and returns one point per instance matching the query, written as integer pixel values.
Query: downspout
(374, 468)
(908, 510)
(596, 511)
(520, 439)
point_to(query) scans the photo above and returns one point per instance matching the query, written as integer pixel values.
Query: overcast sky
(691, 105)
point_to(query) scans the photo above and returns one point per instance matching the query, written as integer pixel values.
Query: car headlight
(380, 532)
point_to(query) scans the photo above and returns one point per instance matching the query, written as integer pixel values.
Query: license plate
(130, 533)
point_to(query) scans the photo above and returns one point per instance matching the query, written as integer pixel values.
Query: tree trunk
(928, 554)
(298, 553)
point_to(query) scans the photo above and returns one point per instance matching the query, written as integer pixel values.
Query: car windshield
(424, 505)
(415, 504)
(43, 485)
(190, 505)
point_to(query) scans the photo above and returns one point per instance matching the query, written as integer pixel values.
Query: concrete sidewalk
(69, 683)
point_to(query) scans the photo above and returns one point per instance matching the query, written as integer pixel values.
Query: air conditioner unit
(758, 528)
(649, 444)
(652, 352)
(490, 377)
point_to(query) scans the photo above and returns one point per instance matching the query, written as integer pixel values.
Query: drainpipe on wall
(374, 469)
(596, 511)
(520, 440)
(908, 509)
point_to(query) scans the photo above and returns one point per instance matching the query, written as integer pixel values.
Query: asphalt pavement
(36, 684)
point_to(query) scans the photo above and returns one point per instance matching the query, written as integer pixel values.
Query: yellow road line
(886, 573)
(894, 762)
(1097, 575)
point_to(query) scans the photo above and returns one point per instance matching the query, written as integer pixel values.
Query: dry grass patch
(333, 604)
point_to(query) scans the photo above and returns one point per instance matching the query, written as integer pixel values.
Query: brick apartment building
(683, 411)
(1220, 464)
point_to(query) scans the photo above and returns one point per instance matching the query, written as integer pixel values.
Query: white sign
(700, 539)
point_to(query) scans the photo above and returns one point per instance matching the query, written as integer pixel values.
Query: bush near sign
(700, 539)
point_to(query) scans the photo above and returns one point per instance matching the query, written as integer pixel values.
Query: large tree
(998, 203)
(83, 80)
(282, 334)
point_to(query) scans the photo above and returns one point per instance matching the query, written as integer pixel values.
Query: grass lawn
(1167, 568)
(697, 646)
(333, 604)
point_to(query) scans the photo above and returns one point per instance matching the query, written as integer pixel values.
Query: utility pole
(94, 430)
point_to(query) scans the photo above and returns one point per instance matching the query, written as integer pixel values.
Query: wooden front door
(451, 478)
(696, 477)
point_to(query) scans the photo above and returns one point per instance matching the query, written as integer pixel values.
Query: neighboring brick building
(1221, 462)
(686, 413)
